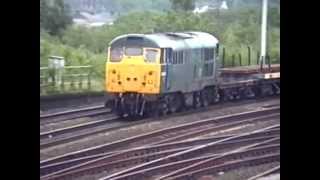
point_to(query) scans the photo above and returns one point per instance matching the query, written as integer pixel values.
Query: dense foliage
(54, 16)
(236, 28)
(120, 6)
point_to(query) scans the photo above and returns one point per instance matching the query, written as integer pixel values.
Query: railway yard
(233, 137)
(188, 94)
(230, 140)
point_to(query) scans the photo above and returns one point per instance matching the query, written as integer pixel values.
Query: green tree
(54, 16)
(184, 5)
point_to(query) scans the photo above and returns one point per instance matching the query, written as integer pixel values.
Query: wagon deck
(248, 75)
(253, 69)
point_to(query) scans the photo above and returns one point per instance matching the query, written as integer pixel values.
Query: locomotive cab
(133, 67)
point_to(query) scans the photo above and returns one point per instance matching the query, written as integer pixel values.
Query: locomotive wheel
(206, 97)
(163, 108)
(174, 102)
(197, 100)
(160, 108)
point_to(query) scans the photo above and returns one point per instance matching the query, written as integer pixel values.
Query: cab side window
(151, 55)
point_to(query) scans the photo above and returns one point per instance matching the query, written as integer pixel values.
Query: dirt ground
(247, 172)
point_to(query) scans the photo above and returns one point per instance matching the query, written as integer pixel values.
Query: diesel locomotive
(161, 73)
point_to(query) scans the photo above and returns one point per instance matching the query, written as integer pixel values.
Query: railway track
(140, 171)
(72, 114)
(64, 135)
(144, 154)
(97, 154)
(152, 154)
(163, 134)
(231, 165)
(68, 134)
(266, 173)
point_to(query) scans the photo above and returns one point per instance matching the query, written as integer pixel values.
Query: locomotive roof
(175, 40)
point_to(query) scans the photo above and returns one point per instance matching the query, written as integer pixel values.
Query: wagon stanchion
(258, 55)
(261, 65)
(249, 56)
(269, 62)
(240, 61)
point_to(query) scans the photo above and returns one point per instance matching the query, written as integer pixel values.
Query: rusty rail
(72, 114)
(145, 154)
(193, 152)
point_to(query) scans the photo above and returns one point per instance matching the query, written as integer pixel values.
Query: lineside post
(264, 32)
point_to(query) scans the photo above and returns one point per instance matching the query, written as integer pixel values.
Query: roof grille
(179, 35)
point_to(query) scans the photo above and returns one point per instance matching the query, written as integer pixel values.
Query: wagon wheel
(266, 90)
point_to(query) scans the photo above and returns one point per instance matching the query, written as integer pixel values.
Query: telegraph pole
(264, 32)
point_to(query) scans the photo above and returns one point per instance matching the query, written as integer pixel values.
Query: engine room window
(116, 54)
(151, 55)
(133, 51)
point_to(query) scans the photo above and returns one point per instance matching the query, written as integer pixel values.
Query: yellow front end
(133, 74)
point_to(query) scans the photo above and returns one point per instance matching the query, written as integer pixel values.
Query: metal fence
(68, 79)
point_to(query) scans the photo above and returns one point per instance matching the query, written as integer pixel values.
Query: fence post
(223, 57)
(80, 81)
(72, 83)
(249, 56)
(240, 61)
(233, 59)
(89, 78)
(62, 83)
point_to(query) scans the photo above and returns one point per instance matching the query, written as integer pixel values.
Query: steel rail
(134, 140)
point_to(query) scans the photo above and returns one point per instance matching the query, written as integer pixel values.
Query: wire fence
(70, 79)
